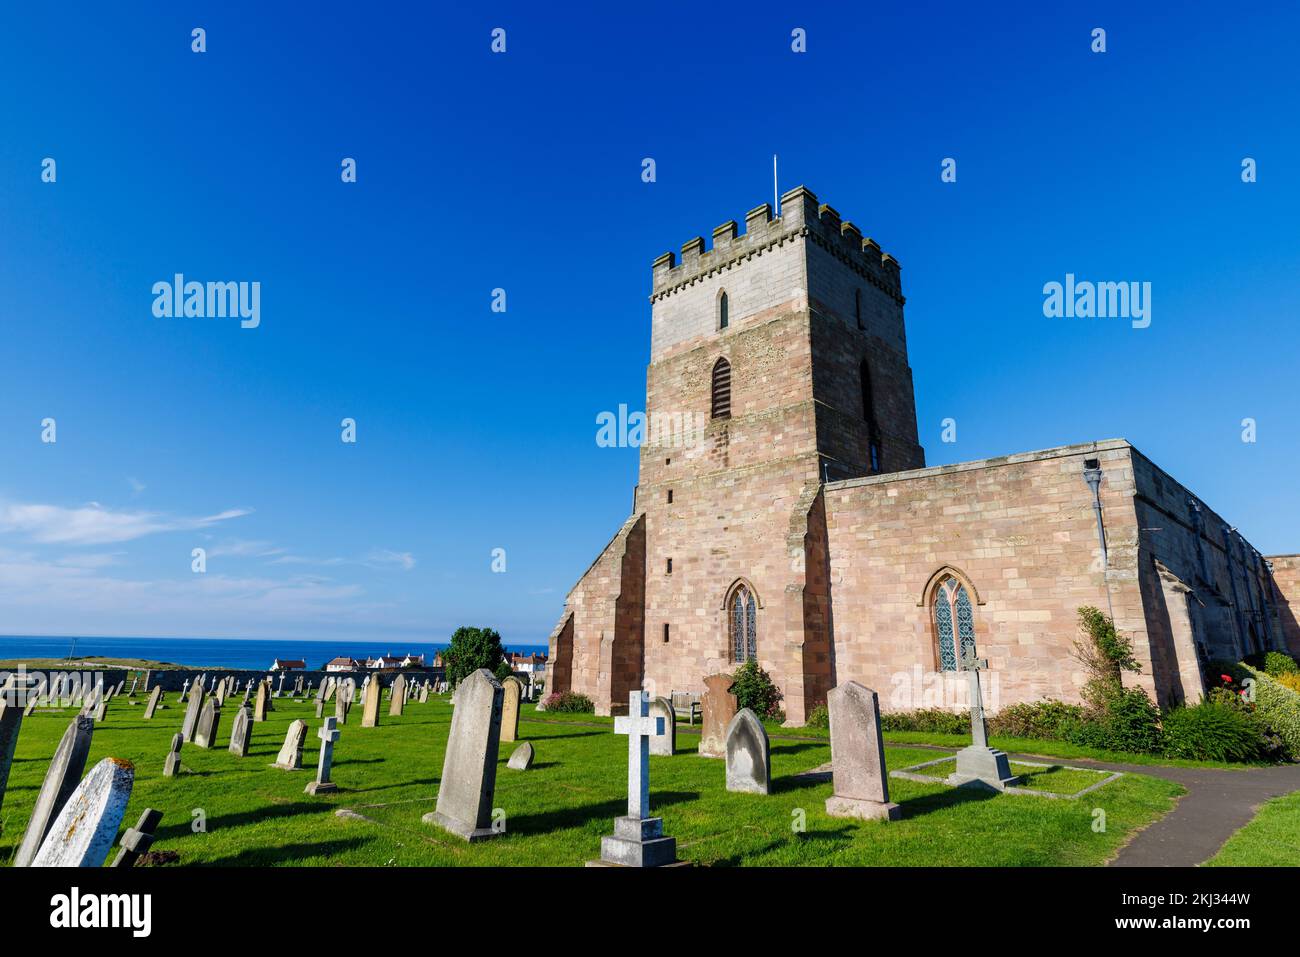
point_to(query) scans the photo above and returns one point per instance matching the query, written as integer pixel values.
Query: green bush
(1276, 663)
(933, 720)
(819, 717)
(1040, 719)
(1131, 722)
(569, 702)
(1277, 707)
(1214, 730)
(754, 689)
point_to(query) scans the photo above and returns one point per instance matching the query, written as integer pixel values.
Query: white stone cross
(280, 686)
(639, 727)
(185, 687)
(328, 734)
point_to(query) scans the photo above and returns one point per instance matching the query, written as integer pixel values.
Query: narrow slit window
(722, 389)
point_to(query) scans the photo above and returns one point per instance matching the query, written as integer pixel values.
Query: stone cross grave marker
(328, 734)
(979, 765)
(83, 833)
(861, 783)
(469, 767)
(184, 688)
(61, 779)
(137, 840)
(638, 839)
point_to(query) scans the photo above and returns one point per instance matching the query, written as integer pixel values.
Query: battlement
(801, 218)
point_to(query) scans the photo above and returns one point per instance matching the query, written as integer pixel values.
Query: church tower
(778, 362)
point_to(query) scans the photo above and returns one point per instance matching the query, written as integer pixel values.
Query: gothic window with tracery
(954, 623)
(744, 625)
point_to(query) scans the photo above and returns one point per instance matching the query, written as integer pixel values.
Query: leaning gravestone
(341, 706)
(512, 689)
(469, 768)
(172, 766)
(718, 708)
(11, 721)
(61, 780)
(370, 707)
(205, 734)
(137, 840)
(191, 722)
(861, 784)
(749, 756)
(320, 707)
(522, 758)
(240, 732)
(397, 697)
(664, 745)
(155, 697)
(83, 833)
(261, 702)
(290, 756)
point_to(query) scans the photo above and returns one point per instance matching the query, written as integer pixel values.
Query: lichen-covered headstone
(261, 702)
(861, 783)
(290, 756)
(61, 779)
(83, 832)
(469, 767)
(749, 755)
(512, 690)
(397, 697)
(370, 704)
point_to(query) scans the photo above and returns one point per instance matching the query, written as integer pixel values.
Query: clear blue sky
(476, 430)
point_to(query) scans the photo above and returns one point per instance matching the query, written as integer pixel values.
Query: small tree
(1105, 654)
(754, 689)
(471, 649)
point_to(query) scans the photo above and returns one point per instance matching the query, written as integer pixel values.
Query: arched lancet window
(742, 618)
(954, 624)
(723, 315)
(869, 415)
(721, 408)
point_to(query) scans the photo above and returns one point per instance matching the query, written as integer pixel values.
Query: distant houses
(288, 664)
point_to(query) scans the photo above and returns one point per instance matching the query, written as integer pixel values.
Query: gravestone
(980, 766)
(469, 767)
(341, 707)
(328, 734)
(512, 689)
(221, 693)
(82, 834)
(101, 707)
(185, 688)
(749, 755)
(241, 732)
(664, 745)
(718, 708)
(205, 734)
(155, 697)
(424, 693)
(135, 683)
(320, 706)
(290, 756)
(61, 779)
(172, 766)
(191, 722)
(397, 697)
(137, 840)
(11, 722)
(861, 783)
(522, 758)
(328, 688)
(261, 702)
(370, 706)
(279, 688)
(638, 839)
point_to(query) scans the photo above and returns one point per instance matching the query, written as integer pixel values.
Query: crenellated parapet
(801, 218)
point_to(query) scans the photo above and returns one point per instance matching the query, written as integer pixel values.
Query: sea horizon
(254, 654)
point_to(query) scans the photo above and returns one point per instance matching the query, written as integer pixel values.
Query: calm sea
(251, 653)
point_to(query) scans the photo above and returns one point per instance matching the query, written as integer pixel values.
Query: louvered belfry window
(722, 389)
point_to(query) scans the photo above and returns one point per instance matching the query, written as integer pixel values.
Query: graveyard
(226, 808)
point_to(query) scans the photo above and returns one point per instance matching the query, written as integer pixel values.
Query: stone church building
(798, 523)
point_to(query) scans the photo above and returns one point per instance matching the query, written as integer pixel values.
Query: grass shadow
(287, 852)
(254, 816)
(569, 818)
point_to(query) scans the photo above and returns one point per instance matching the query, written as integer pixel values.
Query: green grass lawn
(556, 812)
(1272, 839)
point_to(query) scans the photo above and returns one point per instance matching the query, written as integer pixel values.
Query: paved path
(1217, 804)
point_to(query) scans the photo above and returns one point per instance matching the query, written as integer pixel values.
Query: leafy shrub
(1214, 730)
(1131, 722)
(470, 650)
(754, 689)
(1276, 705)
(933, 720)
(818, 717)
(1041, 719)
(1277, 664)
(570, 702)
(503, 670)
(1291, 681)
(1105, 654)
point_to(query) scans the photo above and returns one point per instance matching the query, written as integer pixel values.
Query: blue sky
(476, 430)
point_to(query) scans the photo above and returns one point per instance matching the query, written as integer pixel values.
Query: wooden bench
(686, 704)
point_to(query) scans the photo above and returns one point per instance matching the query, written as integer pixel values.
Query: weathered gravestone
(397, 697)
(11, 722)
(638, 839)
(241, 732)
(342, 704)
(101, 708)
(424, 693)
(522, 758)
(172, 766)
(980, 766)
(469, 768)
(83, 832)
(328, 734)
(861, 783)
(512, 689)
(718, 707)
(137, 840)
(290, 756)
(320, 706)
(261, 702)
(221, 693)
(155, 697)
(205, 734)
(328, 687)
(664, 745)
(749, 755)
(191, 722)
(370, 706)
(61, 779)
